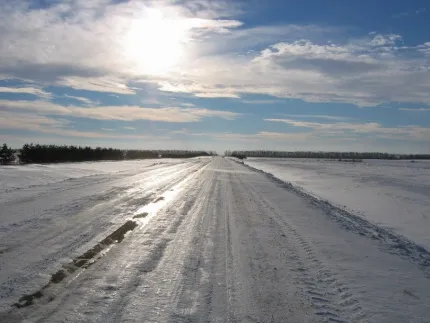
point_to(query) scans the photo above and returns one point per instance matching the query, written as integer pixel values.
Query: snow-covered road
(207, 240)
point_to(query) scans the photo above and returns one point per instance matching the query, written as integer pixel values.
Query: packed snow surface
(21, 176)
(198, 240)
(394, 194)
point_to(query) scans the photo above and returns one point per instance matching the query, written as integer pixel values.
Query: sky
(217, 75)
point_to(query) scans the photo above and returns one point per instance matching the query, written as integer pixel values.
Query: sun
(154, 44)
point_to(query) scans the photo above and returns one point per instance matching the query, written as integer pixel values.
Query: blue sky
(216, 75)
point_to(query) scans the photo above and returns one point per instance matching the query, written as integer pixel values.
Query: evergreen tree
(341, 156)
(6, 155)
(35, 153)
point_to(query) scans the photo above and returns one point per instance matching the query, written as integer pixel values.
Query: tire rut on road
(332, 299)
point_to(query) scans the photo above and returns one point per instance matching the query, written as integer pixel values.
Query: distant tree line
(31, 153)
(323, 154)
(36, 153)
(142, 154)
(6, 155)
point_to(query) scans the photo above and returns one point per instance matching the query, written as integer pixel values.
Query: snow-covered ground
(199, 240)
(20, 176)
(51, 213)
(392, 194)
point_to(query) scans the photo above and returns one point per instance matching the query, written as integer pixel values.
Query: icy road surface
(208, 240)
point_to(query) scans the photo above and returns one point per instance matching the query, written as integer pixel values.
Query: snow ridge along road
(229, 244)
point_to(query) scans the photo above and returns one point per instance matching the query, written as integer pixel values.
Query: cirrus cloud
(26, 90)
(123, 113)
(411, 132)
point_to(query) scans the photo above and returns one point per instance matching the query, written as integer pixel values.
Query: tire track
(162, 243)
(228, 256)
(332, 299)
(329, 296)
(191, 298)
(261, 284)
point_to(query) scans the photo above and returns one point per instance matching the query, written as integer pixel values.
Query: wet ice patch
(140, 215)
(83, 261)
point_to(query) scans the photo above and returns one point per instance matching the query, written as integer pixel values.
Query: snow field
(391, 194)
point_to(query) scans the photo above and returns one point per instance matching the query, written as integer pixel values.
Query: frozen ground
(52, 213)
(392, 194)
(208, 240)
(20, 176)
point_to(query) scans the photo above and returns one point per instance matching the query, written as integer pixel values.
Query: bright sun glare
(154, 43)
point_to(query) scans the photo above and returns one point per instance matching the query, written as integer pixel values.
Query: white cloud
(262, 102)
(88, 45)
(356, 127)
(124, 113)
(97, 84)
(261, 138)
(317, 116)
(167, 114)
(213, 9)
(130, 128)
(424, 48)
(26, 90)
(38, 106)
(217, 94)
(410, 132)
(187, 104)
(385, 40)
(199, 89)
(105, 46)
(355, 72)
(13, 120)
(80, 99)
(53, 126)
(247, 41)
